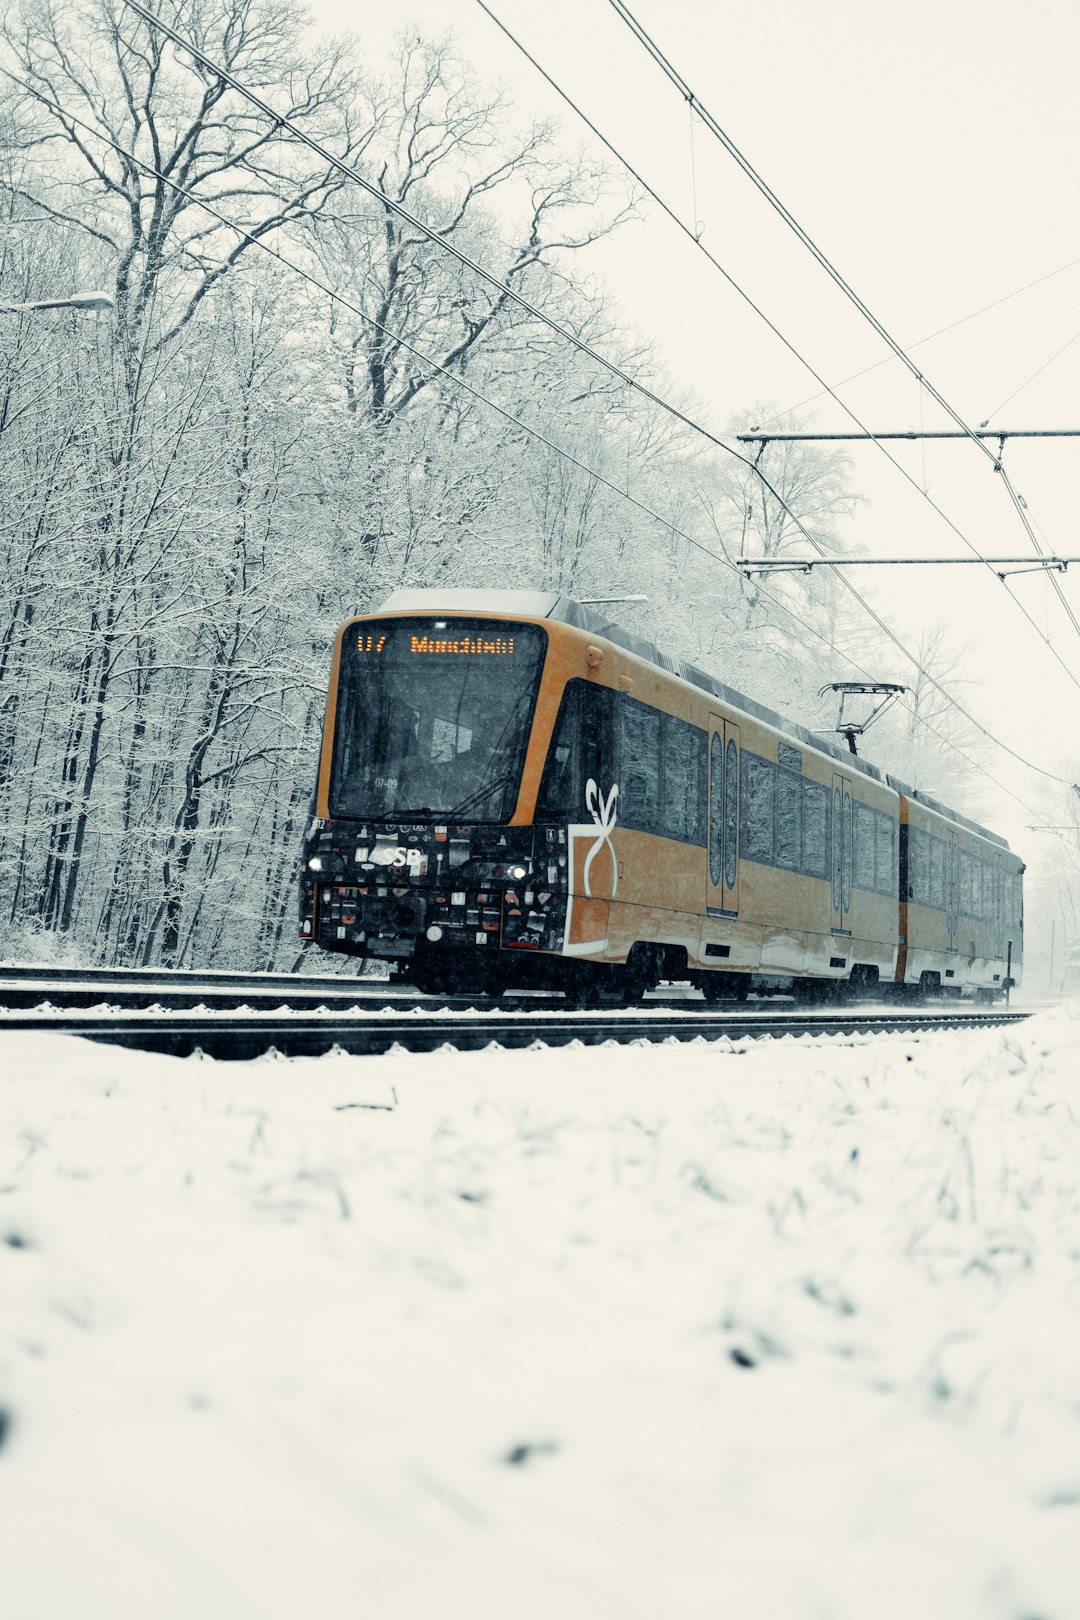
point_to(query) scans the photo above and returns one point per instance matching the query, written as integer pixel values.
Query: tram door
(722, 892)
(841, 854)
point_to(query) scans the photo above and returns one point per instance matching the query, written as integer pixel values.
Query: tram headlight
(332, 862)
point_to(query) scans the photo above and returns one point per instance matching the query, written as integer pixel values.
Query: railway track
(250, 1015)
(132, 988)
(31, 986)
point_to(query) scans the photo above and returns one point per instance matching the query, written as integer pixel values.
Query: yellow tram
(513, 790)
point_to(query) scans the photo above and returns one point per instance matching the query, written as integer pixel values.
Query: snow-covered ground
(790, 1330)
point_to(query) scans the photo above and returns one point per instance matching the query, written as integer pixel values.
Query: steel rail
(230, 1038)
(223, 976)
(132, 988)
(29, 986)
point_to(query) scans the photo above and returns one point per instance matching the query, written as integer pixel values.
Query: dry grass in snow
(790, 1331)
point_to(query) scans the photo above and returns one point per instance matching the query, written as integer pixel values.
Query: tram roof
(565, 610)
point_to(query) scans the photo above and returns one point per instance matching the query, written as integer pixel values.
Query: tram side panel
(624, 775)
(707, 829)
(817, 862)
(962, 907)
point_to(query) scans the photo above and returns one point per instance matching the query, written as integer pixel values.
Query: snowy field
(786, 1330)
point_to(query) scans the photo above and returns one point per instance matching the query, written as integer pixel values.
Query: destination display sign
(463, 646)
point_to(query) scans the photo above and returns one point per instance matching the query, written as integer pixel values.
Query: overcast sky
(931, 151)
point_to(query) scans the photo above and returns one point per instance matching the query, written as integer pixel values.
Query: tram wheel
(642, 972)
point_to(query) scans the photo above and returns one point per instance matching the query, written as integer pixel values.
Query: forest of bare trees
(268, 431)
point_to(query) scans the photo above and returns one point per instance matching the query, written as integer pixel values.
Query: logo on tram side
(585, 932)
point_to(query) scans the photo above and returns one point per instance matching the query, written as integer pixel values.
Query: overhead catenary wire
(536, 433)
(941, 331)
(282, 121)
(715, 129)
(877, 439)
(1036, 373)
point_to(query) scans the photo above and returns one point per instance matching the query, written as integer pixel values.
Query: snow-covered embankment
(790, 1331)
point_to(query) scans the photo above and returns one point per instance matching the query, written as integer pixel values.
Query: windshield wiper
(484, 791)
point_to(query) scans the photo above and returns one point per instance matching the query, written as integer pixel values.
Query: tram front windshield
(433, 718)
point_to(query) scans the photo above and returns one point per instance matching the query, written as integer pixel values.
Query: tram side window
(1014, 905)
(885, 854)
(965, 883)
(919, 866)
(788, 819)
(909, 841)
(683, 784)
(578, 751)
(639, 766)
(863, 865)
(936, 896)
(785, 818)
(758, 795)
(815, 829)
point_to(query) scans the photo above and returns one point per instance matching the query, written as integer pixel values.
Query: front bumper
(383, 890)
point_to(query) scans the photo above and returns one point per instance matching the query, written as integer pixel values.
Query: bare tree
(130, 134)
(121, 133)
(444, 153)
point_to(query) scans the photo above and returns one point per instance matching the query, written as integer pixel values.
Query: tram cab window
(433, 717)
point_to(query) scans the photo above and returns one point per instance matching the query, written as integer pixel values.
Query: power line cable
(929, 338)
(538, 434)
(715, 129)
(694, 237)
(505, 290)
(1037, 373)
(789, 219)
(283, 121)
